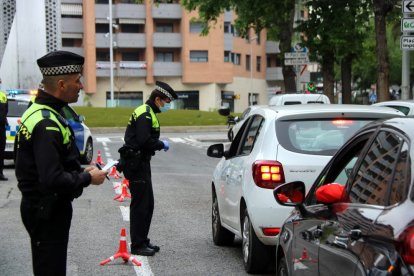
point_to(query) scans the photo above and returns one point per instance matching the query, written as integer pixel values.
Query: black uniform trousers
(138, 172)
(2, 146)
(49, 236)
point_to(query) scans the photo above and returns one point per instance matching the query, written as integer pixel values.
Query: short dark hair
(155, 93)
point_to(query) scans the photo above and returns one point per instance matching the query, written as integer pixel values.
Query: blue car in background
(18, 104)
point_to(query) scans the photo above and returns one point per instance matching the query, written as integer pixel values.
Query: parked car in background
(357, 218)
(18, 104)
(275, 145)
(405, 106)
(298, 98)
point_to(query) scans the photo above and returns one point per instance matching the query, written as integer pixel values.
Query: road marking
(144, 269)
(102, 139)
(125, 212)
(177, 140)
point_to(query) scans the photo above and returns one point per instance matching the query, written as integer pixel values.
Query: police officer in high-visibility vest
(141, 141)
(48, 172)
(3, 123)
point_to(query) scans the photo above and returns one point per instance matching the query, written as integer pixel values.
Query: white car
(405, 106)
(298, 98)
(17, 105)
(276, 145)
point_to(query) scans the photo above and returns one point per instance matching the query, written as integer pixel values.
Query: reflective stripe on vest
(146, 108)
(33, 115)
(3, 97)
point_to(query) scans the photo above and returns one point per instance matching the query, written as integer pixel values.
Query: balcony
(130, 40)
(121, 69)
(166, 11)
(167, 69)
(76, 50)
(274, 74)
(102, 40)
(135, 11)
(72, 25)
(167, 40)
(228, 42)
(272, 47)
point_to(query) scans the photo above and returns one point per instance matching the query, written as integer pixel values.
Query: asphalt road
(181, 223)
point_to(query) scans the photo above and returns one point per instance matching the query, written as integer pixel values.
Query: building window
(130, 56)
(186, 100)
(258, 64)
(199, 56)
(102, 55)
(101, 28)
(236, 58)
(196, 27)
(71, 42)
(125, 99)
(227, 56)
(132, 28)
(227, 27)
(164, 56)
(248, 61)
(164, 28)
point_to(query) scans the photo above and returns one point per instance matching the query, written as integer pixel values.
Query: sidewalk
(166, 129)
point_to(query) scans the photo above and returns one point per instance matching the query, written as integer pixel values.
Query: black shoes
(154, 247)
(3, 178)
(143, 250)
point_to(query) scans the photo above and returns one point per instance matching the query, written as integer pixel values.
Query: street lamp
(111, 54)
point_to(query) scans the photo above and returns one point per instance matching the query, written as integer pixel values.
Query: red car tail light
(406, 246)
(271, 231)
(268, 174)
(341, 122)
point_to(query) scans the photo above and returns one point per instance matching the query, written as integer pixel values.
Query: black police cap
(60, 63)
(166, 90)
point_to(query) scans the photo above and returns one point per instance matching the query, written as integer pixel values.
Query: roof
(322, 110)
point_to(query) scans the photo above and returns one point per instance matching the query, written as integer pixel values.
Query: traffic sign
(297, 54)
(407, 25)
(297, 61)
(407, 42)
(408, 6)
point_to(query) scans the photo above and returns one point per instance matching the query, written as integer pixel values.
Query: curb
(165, 129)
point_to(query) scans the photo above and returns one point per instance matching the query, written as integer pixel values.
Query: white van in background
(298, 98)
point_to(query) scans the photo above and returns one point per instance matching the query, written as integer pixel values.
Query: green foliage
(119, 117)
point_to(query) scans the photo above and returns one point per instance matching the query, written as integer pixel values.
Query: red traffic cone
(125, 181)
(123, 195)
(304, 255)
(114, 173)
(122, 251)
(99, 159)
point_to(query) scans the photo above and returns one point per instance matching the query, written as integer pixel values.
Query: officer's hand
(166, 145)
(98, 176)
(89, 168)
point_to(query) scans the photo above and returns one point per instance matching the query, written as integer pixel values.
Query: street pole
(111, 54)
(405, 66)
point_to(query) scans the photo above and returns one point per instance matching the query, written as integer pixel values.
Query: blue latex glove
(166, 145)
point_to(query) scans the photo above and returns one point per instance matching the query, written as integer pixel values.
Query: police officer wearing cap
(3, 124)
(48, 172)
(141, 141)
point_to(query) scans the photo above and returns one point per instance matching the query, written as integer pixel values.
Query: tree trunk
(285, 46)
(381, 8)
(346, 77)
(328, 62)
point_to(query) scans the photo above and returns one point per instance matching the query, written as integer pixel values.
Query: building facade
(160, 40)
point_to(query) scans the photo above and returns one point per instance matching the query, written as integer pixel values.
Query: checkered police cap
(60, 63)
(166, 90)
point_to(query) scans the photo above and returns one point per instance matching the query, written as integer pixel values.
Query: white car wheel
(221, 236)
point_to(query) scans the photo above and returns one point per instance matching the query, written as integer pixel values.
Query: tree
(275, 16)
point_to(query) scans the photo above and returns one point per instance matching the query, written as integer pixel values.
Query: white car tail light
(268, 174)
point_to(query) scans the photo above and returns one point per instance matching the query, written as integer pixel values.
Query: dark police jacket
(47, 156)
(143, 130)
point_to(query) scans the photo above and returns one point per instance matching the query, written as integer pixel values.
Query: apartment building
(160, 40)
